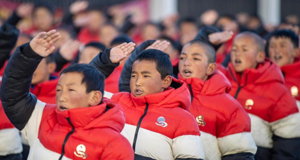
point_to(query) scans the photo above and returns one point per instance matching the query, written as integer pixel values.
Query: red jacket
(112, 82)
(85, 36)
(92, 133)
(221, 119)
(291, 75)
(4, 121)
(159, 126)
(45, 91)
(271, 107)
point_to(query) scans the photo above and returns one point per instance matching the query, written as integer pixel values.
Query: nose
(61, 96)
(186, 62)
(138, 81)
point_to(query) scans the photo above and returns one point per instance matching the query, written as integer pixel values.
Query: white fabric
(108, 94)
(261, 132)
(288, 127)
(210, 145)
(10, 141)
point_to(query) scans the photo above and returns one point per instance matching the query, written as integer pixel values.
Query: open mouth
(277, 57)
(62, 108)
(237, 61)
(187, 73)
(138, 92)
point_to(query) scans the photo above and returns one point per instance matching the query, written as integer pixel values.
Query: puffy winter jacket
(225, 126)
(45, 91)
(82, 133)
(159, 126)
(275, 119)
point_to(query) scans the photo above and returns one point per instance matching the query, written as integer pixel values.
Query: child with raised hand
(258, 85)
(158, 124)
(225, 126)
(283, 50)
(71, 128)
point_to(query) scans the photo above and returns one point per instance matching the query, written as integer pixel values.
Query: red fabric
(3, 68)
(97, 130)
(221, 113)
(4, 121)
(112, 82)
(175, 62)
(172, 104)
(222, 53)
(292, 76)
(264, 87)
(85, 36)
(45, 91)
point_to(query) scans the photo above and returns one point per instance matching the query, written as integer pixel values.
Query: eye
(71, 90)
(146, 76)
(132, 76)
(196, 59)
(245, 50)
(181, 58)
(58, 90)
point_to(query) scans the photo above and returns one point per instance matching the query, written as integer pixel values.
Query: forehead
(244, 39)
(144, 65)
(70, 77)
(193, 49)
(280, 40)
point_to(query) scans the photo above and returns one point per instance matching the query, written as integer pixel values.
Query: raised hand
(159, 45)
(24, 9)
(220, 37)
(121, 51)
(78, 6)
(68, 49)
(42, 44)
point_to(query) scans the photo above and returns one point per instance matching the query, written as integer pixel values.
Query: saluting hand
(159, 45)
(42, 44)
(121, 51)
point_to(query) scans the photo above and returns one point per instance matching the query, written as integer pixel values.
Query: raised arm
(18, 102)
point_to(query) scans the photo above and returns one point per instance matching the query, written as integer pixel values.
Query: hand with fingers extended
(220, 37)
(78, 6)
(68, 49)
(159, 45)
(42, 44)
(120, 52)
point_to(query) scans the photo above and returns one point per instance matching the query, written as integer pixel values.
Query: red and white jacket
(45, 91)
(291, 75)
(274, 115)
(225, 126)
(81, 133)
(158, 126)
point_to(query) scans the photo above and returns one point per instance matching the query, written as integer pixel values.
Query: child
(81, 125)
(225, 126)
(158, 125)
(284, 51)
(257, 84)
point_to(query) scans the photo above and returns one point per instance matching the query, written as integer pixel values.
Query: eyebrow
(197, 54)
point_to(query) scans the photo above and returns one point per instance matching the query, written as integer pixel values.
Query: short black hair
(286, 33)
(174, 44)
(44, 4)
(121, 39)
(92, 77)
(96, 45)
(187, 20)
(210, 52)
(162, 60)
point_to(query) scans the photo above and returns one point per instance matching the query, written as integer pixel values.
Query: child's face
(282, 51)
(244, 53)
(145, 79)
(43, 19)
(71, 93)
(107, 34)
(150, 32)
(87, 54)
(193, 62)
(42, 72)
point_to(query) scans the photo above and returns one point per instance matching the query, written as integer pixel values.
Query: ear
(51, 67)
(260, 57)
(95, 99)
(296, 52)
(211, 69)
(167, 81)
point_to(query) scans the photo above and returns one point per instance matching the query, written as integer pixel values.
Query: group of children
(165, 106)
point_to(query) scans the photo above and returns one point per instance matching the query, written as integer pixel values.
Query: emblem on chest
(80, 151)
(294, 91)
(161, 122)
(249, 104)
(200, 120)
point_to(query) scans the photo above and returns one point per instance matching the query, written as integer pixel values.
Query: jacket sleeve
(14, 19)
(203, 34)
(285, 125)
(126, 71)
(103, 63)
(119, 148)
(17, 101)
(8, 38)
(59, 60)
(234, 137)
(187, 143)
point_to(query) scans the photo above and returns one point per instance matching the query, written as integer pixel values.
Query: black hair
(187, 20)
(209, 51)
(285, 33)
(174, 44)
(96, 45)
(92, 77)
(162, 60)
(44, 4)
(121, 39)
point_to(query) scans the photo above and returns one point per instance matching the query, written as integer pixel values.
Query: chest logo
(161, 122)
(249, 103)
(294, 91)
(200, 120)
(80, 151)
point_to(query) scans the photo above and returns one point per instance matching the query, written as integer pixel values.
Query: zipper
(191, 91)
(66, 139)
(239, 87)
(138, 127)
